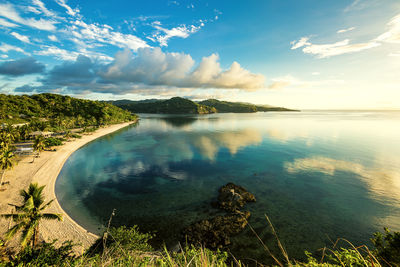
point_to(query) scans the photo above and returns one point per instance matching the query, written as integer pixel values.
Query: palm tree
(6, 139)
(29, 215)
(39, 145)
(24, 132)
(6, 162)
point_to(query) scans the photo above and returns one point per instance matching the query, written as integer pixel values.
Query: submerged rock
(233, 197)
(216, 232)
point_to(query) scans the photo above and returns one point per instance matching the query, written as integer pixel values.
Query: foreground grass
(129, 247)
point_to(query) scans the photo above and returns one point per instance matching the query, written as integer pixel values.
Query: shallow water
(318, 175)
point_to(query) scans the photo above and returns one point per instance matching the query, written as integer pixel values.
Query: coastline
(45, 171)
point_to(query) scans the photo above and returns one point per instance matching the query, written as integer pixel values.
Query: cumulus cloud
(8, 11)
(150, 66)
(21, 37)
(20, 67)
(154, 67)
(149, 71)
(80, 71)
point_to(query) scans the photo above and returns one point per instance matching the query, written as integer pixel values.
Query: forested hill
(178, 105)
(63, 109)
(175, 105)
(239, 107)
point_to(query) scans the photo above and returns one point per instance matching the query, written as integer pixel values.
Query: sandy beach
(45, 171)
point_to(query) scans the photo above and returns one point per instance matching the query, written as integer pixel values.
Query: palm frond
(47, 204)
(52, 216)
(16, 217)
(13, 230)
(27, 234)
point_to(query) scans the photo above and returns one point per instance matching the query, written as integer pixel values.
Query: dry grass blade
(284, 253)
(265, 246)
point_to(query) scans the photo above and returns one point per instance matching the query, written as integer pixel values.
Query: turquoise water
(317, 175)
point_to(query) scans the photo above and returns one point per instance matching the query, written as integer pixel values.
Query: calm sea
(318, 175)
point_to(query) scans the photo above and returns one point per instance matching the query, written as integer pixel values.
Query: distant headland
(179, 105)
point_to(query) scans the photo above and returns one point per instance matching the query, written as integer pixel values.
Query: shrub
(53, 141)
(387, 247)
(45, 255)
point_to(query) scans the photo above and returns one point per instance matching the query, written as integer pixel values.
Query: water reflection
(316, 174)
(383, 182)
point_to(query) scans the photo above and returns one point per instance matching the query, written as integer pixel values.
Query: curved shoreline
(45, 171)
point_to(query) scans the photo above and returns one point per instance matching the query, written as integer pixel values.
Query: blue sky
(300, 54)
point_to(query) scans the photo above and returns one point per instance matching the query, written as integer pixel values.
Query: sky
(305, 54)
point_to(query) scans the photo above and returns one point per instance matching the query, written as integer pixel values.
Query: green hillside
(178, 105)
(238, 107)
(175, 105)
(59, 109)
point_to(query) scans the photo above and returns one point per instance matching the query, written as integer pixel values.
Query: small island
(179, 105)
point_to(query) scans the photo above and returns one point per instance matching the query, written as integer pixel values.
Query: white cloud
(53, 38)
(154, 67)
(8, 11)
(103, 34)
(4, 56)
(338, 48)
(300, 43)
(71, 55)
(70, 11)
(163, 34)
(34, 10)
(57, 52)
(7, 24)
(6, 47)
(346, 30)
(21, 37)
(43, 8)
(393, 34)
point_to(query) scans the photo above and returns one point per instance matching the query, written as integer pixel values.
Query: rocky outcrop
(233, 197)
(216, 232)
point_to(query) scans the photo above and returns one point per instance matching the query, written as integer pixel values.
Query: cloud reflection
(382, 181)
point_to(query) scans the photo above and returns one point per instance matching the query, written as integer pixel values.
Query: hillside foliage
(179, 105)
(59, 111)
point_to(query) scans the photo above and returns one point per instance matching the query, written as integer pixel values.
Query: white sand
(45, 171)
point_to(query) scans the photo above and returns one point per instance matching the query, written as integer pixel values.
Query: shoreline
(45, 171)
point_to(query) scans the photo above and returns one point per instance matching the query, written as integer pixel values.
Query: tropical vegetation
(29, 214)
(57, 112)
(6, 162)
(124, 246)
(175, 105)
(178, 105)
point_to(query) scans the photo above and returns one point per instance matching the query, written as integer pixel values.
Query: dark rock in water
(233, 197)
(216, 232)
